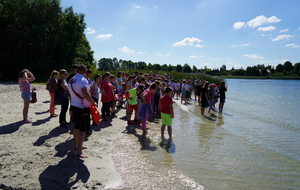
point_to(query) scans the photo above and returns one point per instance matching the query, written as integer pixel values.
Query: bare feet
(81, 154)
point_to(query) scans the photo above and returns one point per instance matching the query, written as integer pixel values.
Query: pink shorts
(133, 107)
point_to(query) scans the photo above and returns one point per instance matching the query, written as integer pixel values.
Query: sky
(211, 33)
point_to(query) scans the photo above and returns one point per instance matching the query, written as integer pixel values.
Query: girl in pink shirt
(25, 77)
(146, 96)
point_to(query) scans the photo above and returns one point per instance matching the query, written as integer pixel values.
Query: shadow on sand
(65, 174)
(11, 128)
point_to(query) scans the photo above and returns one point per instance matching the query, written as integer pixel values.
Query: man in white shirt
(80, 101)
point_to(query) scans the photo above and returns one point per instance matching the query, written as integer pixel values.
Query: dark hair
(222, 83)
(142, 79)
(112, 76)
(96, 76)
(89, 71)
(74, 66)
(105, 75)
(168, 89)
(141, 87)
(119, 73)
(152, 86)
(81, 68)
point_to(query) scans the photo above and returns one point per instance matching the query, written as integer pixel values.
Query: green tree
(178, 68)
(186, 68)
(195, 69)
(223, 68)
(288, 66)
(279, 68)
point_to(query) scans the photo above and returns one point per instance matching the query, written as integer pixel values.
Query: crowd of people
(141, 94)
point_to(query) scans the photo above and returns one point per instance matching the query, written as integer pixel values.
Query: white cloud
(252, 56)
(142, 53)
(299, 28)
(194, 56)
(90, 31)
(285, 30)
(125, 49)
(296, 46)
(266, 35)
(245, 44)
(104, 36)
(240, 45)
(198, 45)
(258, 21)
(238, 25)
(136, 6)
(168, 54)
(288, 45)
(281, 37)
(268, 28)
(188, 42)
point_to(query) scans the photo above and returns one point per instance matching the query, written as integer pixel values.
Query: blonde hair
(62, 71)
(54, 72)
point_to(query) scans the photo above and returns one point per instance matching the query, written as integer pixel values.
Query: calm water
(254, 144)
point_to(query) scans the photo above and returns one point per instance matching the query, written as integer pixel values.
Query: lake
(253, 144)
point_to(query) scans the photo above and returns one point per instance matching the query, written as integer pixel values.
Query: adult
(107, 95)
(51, 87)
(24, 79)
(80, 101)
(62, 85)
(119, 81)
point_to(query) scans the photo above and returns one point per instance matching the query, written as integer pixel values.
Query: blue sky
(237, 33)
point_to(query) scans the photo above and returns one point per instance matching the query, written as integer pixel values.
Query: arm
(30, 78)
(171, 110)
(87, 96)
(64, 86)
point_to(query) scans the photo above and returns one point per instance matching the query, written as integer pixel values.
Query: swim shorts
(166, 119)
(81, 118)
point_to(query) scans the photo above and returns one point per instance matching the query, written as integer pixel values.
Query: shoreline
(40, 155)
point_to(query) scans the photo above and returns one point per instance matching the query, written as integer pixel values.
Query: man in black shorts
(80, 101)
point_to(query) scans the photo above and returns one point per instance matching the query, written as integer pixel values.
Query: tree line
(286, 69)
(39, 35)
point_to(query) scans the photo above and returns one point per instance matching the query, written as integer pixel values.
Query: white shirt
(78, 82)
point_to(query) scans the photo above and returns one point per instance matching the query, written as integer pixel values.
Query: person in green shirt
(132, 95)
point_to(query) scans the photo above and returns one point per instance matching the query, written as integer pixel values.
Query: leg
(25, 110)
(170, 131)
(202, 110)
(75, 136)
(63, 111)
(162, 131)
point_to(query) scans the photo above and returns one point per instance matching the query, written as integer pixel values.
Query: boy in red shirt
(167, 114)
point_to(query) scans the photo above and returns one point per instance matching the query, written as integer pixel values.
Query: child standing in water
(146, 96)
(167, 113)
(222, 91)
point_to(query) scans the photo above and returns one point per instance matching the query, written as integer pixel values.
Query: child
(222, 91)
(132, 104)
(167, 113)
(147, 95)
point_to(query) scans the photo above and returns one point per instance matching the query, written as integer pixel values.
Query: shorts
(81, 118)
(175, 91)
(132, 107)
(26, 95)
(183, 94)
(187, 94)
(113, 104)
(222, 99)
(166, 119)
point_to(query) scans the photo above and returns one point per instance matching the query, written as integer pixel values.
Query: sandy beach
(40, 155)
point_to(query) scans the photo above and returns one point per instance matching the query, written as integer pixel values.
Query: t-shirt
(149, 96)
(96, 90)
(119, 83)
(222, 92)
(106, 87)
(78, 82)
(133, 96)
(165, 102)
